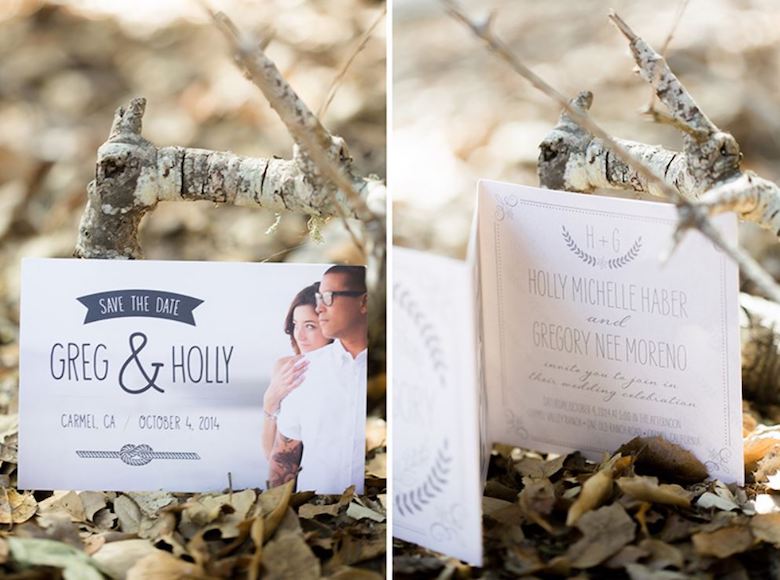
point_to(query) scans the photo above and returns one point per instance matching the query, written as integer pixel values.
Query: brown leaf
(595, 491)
(154, 528)
(657, 456)
(662, 554)
(766, 527)
(67, 502)
(627, 555)
(163, 566)
(4, 551)
(104, 519)
(15, 507)
(354, 550)
(606, 530)
(537, 467)
(288, 556)
(641, 572)
(377, 467)
(128, 512)
(273, 503)
(768, 465)
(311, 510)
(376, 433)
(256, 533)
(93, 502)
(116, 558)
(358, 511)
(347, 573)
(724, 542)
(645, 488)
(537, 501)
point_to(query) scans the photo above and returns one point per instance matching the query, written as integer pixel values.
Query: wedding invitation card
(586, 338)
(146, 375)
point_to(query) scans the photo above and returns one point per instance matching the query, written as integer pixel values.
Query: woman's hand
(288, 374)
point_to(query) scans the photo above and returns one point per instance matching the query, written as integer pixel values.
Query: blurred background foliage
(65, 65)
(461, 114)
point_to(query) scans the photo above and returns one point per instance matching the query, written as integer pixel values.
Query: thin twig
(691, 215)
(305, 128)
(340, 76)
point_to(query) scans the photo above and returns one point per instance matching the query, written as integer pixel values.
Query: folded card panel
(590, 339)
(436, 453)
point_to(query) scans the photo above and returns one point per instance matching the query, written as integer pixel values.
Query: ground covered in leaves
(65, 65)
(645, 513)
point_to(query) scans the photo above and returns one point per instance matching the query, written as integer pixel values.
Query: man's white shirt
(327, 413)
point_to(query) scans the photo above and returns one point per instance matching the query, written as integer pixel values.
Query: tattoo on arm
(285, 460)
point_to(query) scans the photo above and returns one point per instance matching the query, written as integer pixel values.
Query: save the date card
(147, 375)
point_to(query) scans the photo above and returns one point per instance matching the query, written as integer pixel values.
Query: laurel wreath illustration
(425, 330)
(415, 500)
(590, 259)
(138, 454)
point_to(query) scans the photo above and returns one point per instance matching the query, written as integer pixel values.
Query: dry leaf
(724, 542)
(537, 467)
(640, 572)
(129, 514)
(274, 504)
(116, 558)
(358, 512)
(93, 502)
(537, 501)
(377, 466)
(15, 507)
(355, 550)
(627, 555)
(154, 528)
(5, 551)
(768, 465)
(347, 573)
(163, 566)
(659, 457)
(376, 433)
(310, 510)
(605, 531)
(288, 556)
(151, 502)
(662, 554)
(646, 488)
(75, 564)
(759, 443)
(766, 527)
(595, 491)
(766, 504)
(64, 501)
(256, 533)
(709, 500)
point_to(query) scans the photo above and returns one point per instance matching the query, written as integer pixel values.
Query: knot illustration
(134, 352)
(138, 455)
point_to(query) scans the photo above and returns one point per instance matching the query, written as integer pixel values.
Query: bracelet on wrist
(272, 416)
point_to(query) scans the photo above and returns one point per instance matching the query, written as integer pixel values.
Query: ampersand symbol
(134, 351)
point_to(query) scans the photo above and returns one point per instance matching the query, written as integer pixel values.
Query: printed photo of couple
(314, 407)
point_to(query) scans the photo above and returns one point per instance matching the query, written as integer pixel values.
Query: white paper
(436, 471)
(590, 340)
(84, 395)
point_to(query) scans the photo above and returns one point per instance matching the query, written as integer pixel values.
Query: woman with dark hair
(303, 327)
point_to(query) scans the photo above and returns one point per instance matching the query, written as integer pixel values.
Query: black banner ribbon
(145, 303)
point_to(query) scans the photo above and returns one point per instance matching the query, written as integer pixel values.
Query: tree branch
(132, 176)
(709, 161)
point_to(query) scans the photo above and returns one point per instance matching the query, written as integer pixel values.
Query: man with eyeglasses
(321, 424)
